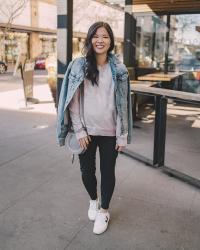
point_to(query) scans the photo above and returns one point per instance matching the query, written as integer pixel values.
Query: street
(10, 82)
(43, 205)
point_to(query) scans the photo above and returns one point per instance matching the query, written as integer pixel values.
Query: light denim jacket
(74, 76)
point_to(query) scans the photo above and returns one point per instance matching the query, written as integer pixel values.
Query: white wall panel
(47, 14)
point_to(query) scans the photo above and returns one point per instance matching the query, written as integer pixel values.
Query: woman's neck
(101, 59)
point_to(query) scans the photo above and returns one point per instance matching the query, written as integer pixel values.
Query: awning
(166, 6)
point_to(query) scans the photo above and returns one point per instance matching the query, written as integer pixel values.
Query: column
(130, 38)
(64, 36)
(34, 41)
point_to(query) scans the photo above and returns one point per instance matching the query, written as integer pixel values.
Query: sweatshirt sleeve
(121, 139)
(74, 109)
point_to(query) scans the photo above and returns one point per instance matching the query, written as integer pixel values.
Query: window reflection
(184, 46)
(184, 53)
(150, 41)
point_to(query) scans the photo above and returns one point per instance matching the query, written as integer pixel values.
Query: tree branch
(12, 9)
(20, 8)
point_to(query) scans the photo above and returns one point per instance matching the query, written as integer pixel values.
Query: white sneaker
(101, 222)
(93, 209)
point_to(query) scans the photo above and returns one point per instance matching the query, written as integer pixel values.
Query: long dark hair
(91, 70)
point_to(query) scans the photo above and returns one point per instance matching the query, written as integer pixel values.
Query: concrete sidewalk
(43, 205)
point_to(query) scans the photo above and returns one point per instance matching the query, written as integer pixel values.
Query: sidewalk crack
(76, 234)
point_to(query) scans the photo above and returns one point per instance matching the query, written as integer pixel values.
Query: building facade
(32, 33)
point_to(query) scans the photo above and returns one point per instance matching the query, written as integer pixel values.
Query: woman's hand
(84, 142)
(119, 148)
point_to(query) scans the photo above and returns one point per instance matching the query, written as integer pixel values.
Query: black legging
(108, 156)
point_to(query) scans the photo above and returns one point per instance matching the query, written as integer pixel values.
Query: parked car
(40, 62)
(3, 67)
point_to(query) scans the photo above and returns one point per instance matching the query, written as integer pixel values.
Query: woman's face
(101, 41)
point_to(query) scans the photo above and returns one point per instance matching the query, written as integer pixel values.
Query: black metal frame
(184, 177)
(180, 83)
(158, 132)
(138, 157)
(159, 140)
(129, 38)
(167, 44)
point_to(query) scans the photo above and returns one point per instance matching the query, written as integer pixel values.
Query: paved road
(43, 205)
(9, 82)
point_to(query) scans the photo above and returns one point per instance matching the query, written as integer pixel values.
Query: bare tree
(185, 23)
(9, 10)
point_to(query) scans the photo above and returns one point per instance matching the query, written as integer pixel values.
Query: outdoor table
(169, 77)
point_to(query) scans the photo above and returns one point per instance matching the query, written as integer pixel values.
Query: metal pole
(160, 130)
(167, 44)
(153, 40)
(156, 130)
(163, 120)
(64, 39)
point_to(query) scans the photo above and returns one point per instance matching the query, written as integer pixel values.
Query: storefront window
(14, 43)
(184, 50)
(150, 41)
(78, 44)
(48, 44)
(119, 50)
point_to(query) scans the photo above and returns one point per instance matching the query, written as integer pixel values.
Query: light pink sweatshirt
(99, 108)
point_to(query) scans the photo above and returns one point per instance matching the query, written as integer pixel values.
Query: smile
(99, 46)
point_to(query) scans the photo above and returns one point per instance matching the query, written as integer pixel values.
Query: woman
(107, 114)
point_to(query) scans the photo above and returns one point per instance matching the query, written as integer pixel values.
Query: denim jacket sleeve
(124, 100)
(61, 124)
(130, 117)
